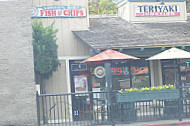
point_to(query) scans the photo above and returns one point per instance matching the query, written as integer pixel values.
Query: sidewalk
(185, 122)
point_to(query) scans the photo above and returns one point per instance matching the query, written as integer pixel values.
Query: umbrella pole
(108, 76)
(180, 91)
(109, 90)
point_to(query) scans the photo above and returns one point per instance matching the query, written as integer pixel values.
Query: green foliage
(102, 7)
(188, 5)
(45, 49)
(163, 87)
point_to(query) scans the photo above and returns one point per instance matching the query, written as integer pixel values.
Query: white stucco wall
(17, 86)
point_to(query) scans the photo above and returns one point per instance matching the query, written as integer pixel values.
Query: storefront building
(141, 29)
(152, 10)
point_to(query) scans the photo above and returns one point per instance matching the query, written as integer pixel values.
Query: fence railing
(73, 108)
(92, 108)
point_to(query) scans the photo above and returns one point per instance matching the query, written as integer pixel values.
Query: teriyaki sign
(58, 11)
(157, 10)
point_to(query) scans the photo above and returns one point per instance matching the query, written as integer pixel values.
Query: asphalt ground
(185, 122)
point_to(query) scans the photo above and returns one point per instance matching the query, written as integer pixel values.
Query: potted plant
(147, 93)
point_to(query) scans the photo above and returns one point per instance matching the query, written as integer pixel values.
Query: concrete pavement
(158, 123)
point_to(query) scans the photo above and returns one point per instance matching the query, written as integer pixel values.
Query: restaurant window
(130, 74)
(120, 76)
(124, 75)
(185, 72)
(140, 73)
(185, 76)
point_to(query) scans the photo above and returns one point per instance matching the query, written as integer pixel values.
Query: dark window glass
(140, 73)
(170, 71)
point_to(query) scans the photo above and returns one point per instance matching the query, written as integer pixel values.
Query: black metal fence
(92, 108)
(83, 109)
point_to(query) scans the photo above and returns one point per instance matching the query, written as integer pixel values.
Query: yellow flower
(135, 89)
(143, 89)
(130, 89)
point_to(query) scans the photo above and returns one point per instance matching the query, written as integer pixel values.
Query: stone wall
(17, 87)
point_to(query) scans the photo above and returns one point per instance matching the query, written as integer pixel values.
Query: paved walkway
(159, 123)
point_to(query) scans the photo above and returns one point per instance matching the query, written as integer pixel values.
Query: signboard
(99, 72)
(81, 83)
(120, 71)
(95, 85)
(58, 11)
(157, 10)
(139, 70)
(79, 67)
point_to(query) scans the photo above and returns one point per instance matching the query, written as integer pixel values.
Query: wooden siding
(57, 84)
(67, 44)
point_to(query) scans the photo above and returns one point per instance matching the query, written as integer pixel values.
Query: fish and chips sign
(157, 10)
(58, 11)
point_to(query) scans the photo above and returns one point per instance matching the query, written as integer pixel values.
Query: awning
(110, 56)
(173, 53)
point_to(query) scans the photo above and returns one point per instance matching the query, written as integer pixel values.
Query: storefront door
(170, 72)
(79, 75)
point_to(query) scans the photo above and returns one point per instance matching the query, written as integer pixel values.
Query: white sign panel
(157, 10)
(58, 11)
(80, 83)
(99, 72)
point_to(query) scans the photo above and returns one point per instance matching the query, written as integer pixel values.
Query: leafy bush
(188, 6)
(45, 49)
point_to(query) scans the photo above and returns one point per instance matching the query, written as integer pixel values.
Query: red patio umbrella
(109, 56)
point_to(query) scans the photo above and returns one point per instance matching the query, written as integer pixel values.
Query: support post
(38, 108)
(108, 76)
(180, 103)
(109, 90)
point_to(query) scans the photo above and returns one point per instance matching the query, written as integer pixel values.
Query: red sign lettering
(125, 71)
(48, 13)
(120, 71)
(59, 11)
(139, 70)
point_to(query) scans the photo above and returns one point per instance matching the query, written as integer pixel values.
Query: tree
(188, 5)
(102, 7)
(45, 50)
(109, 7)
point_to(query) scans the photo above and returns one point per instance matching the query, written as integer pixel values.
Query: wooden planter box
(147, 95)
